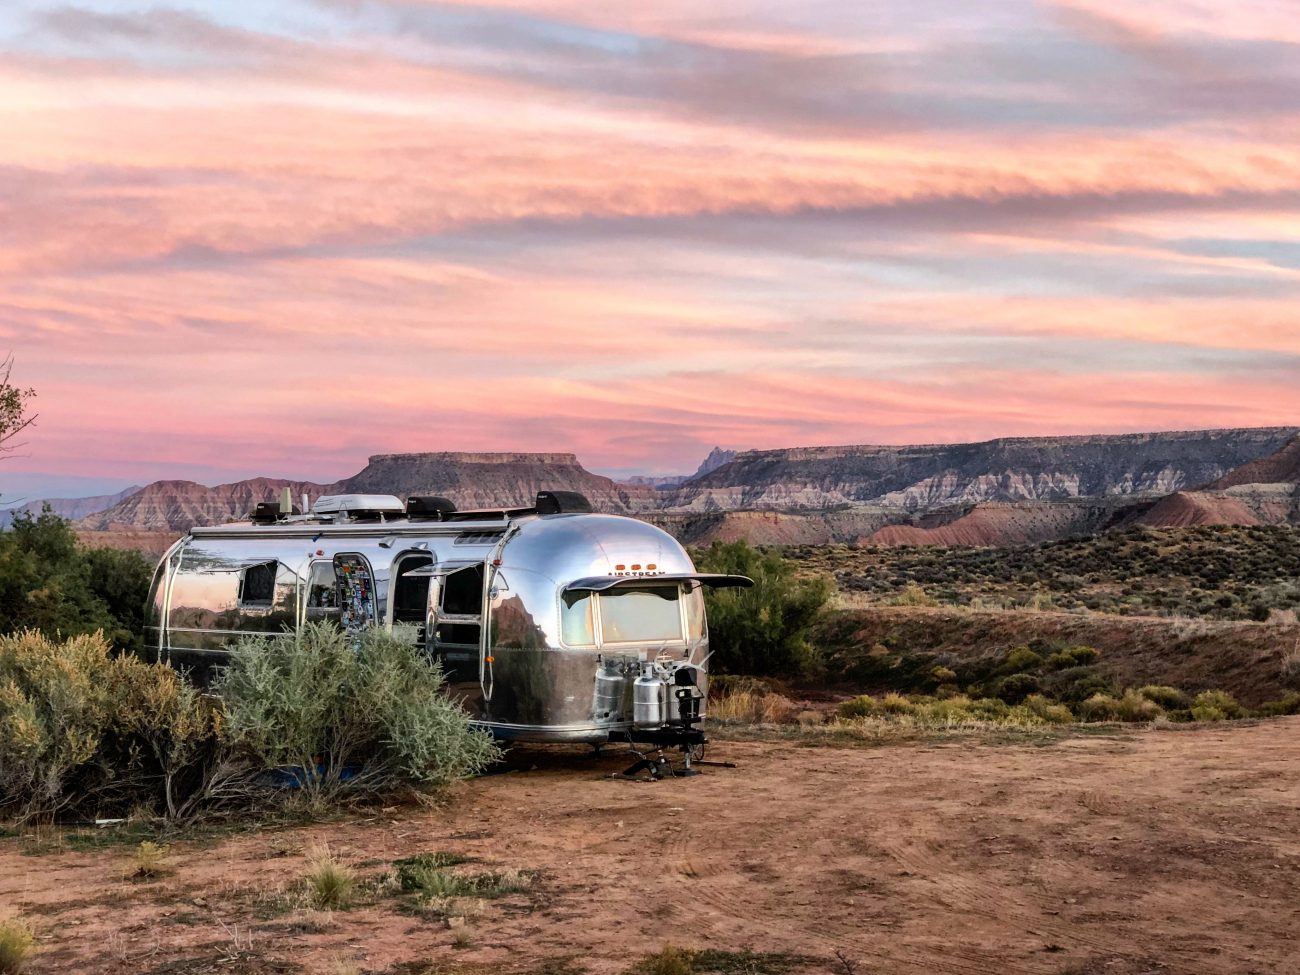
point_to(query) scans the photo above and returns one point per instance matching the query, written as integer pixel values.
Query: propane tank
(648, 699)
(608, 705)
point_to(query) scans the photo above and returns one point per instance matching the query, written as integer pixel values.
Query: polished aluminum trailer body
(542, 622)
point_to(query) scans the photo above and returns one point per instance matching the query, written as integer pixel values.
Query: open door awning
(713, 580)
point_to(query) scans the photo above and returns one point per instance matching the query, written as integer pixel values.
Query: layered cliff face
(1265, 491)
(179, 505)
(495, 480)
(998, 492)
(69, 508)
(917, 478)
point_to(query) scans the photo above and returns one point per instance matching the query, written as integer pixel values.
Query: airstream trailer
(551, 623)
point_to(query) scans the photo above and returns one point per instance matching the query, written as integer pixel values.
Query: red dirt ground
(1170, 851)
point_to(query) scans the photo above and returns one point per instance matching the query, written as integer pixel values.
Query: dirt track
(1156, 851)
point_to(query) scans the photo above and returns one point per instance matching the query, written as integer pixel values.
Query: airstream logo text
(636, 569)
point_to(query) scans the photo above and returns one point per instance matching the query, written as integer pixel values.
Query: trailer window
(640, 615)
(577, 622)
(695, 612)
(257, 584)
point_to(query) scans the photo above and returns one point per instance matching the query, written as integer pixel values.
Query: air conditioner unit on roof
(337, 504)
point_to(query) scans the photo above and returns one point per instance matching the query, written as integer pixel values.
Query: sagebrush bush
(1047, 710)
(1099, 707)
(1169, 698)
(1020, 660)
(344, 719)
(1133, 706)
(859, 707)
(1287, 705)
(1216, 706)
(83, 729)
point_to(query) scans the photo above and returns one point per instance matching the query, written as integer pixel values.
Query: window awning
(713, 580)
(439, 569)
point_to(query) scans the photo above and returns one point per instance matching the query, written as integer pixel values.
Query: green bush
(1079, 656)
(1099, 707)
(1169, 698)
(859, 707)
(1287, 705)
(1134, 706)
(52, 583)
(762, 630)
(363, 720)
(1048, 710)
(1016, 688)
(81, 729)
(1020, 660)
(1216, 706)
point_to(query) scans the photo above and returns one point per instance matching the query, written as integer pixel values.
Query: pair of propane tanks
(666, 694)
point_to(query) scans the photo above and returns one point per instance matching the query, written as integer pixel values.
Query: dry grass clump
(150, 860)
(1290, 666)
(746, 706)
(670, 960)
(330, 884)
(16, 943)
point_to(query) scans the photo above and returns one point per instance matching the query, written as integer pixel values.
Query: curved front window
(643, 614)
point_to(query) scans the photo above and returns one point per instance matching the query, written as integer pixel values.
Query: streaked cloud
(276, 238)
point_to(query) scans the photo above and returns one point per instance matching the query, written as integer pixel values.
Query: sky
(242, 238)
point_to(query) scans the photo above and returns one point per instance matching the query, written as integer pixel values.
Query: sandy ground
(1153, 851)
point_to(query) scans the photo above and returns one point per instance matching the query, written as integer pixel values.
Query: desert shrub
(1099, 707)
(1169, 698)
(1216, 706)
(895, 704)
(667, 961)
(1134, 706)
(950, 710)
(16, 943)
(80, 728)
(1287, 705)
(344, 719)
(1078, 656)
(1016, 687)
(764, 629)
(50, 582)
(1048, 710)
(1082, 688)
(439, 884)
(943, 675)
(990, 709)
(150, 860)
(859, 707)
(912, 595)
(1019, 660)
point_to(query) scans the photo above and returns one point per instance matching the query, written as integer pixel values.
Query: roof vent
(561, 502)
(431, 507)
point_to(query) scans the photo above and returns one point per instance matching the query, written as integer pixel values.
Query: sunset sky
(245, 237)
